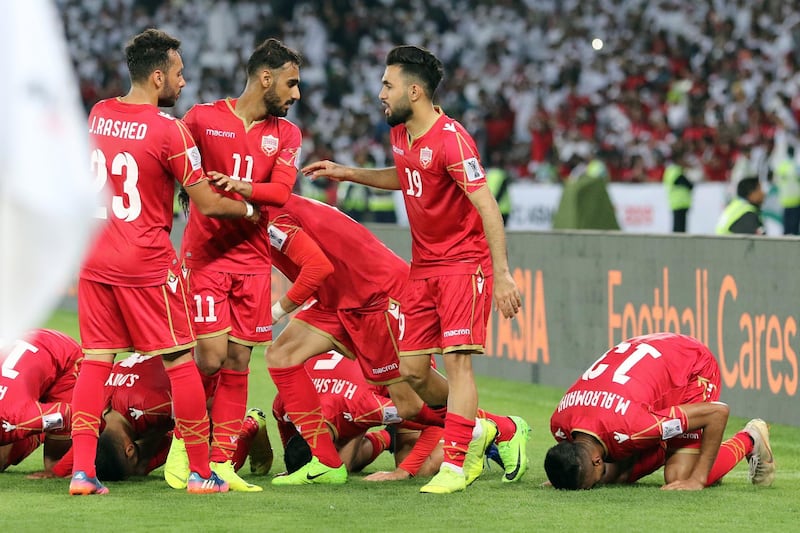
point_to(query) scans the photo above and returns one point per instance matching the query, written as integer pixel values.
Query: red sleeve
(462, 160)
(278, 189)
(425, 444)
(183, 156)
(306, 254)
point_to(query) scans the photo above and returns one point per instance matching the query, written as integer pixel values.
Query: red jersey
(138, 154)
(248, 154)
(42, 367)
(139, 390)
(349, 403)
(436, 172)
(628, 399)
(365, 270)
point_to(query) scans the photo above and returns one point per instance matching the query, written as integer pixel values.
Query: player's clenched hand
(326, 169)
(507, 299)
(397, 475)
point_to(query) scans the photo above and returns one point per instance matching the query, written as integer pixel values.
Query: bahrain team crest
(269, 144)
(425, 156)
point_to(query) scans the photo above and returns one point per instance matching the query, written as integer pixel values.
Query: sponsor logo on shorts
(263, 329)
(385, 368)
(457, 332)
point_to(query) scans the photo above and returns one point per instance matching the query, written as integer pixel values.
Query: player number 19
(414, 183)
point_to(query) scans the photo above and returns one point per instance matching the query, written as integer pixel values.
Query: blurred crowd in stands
(711, 84)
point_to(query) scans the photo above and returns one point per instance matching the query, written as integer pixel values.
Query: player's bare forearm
(212, 204)
(381, 178)
(506, 294)
(711, 418)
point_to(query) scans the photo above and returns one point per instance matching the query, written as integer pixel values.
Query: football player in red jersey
(459, 261)
(130, 290)
(648, 402)
(351, 406)
(248, 140)
(137, 425)
(351, 309)
(37, 376)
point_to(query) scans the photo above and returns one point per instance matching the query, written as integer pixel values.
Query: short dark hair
(110, 461)
(563, 466)
(272, 54)
(747, 186)
(296, 454)
(148, 52)
(418, 63)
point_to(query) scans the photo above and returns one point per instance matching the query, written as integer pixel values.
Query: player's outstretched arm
(711, 418)
(275, 192)
(381, 178)
(506, 294)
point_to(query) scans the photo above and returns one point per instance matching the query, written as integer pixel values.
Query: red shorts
(364, 335)
(148, 320)
(704, 389)
(444, 314)
(237, 304)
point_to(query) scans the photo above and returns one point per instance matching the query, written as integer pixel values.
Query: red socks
(431, 417)
(505, 426)
(88, 401)
(302, 405)
(380, 441)
(227, 411)
(190, 413)
(730, 453)
(457, 435)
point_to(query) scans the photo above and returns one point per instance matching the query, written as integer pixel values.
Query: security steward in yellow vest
(743, 214)
(787, 179)
(679, 195)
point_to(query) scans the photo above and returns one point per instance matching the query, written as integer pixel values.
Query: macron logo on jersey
(220, 133)
(621, 437)
(398, 151)
(449, 127)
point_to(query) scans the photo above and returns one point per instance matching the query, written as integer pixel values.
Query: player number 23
(123, 166)
(621, 372)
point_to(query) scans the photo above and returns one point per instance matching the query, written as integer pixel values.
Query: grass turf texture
(148, 504)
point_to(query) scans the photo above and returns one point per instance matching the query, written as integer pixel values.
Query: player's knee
(277, 357)
(413, 373)
(208, 366)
